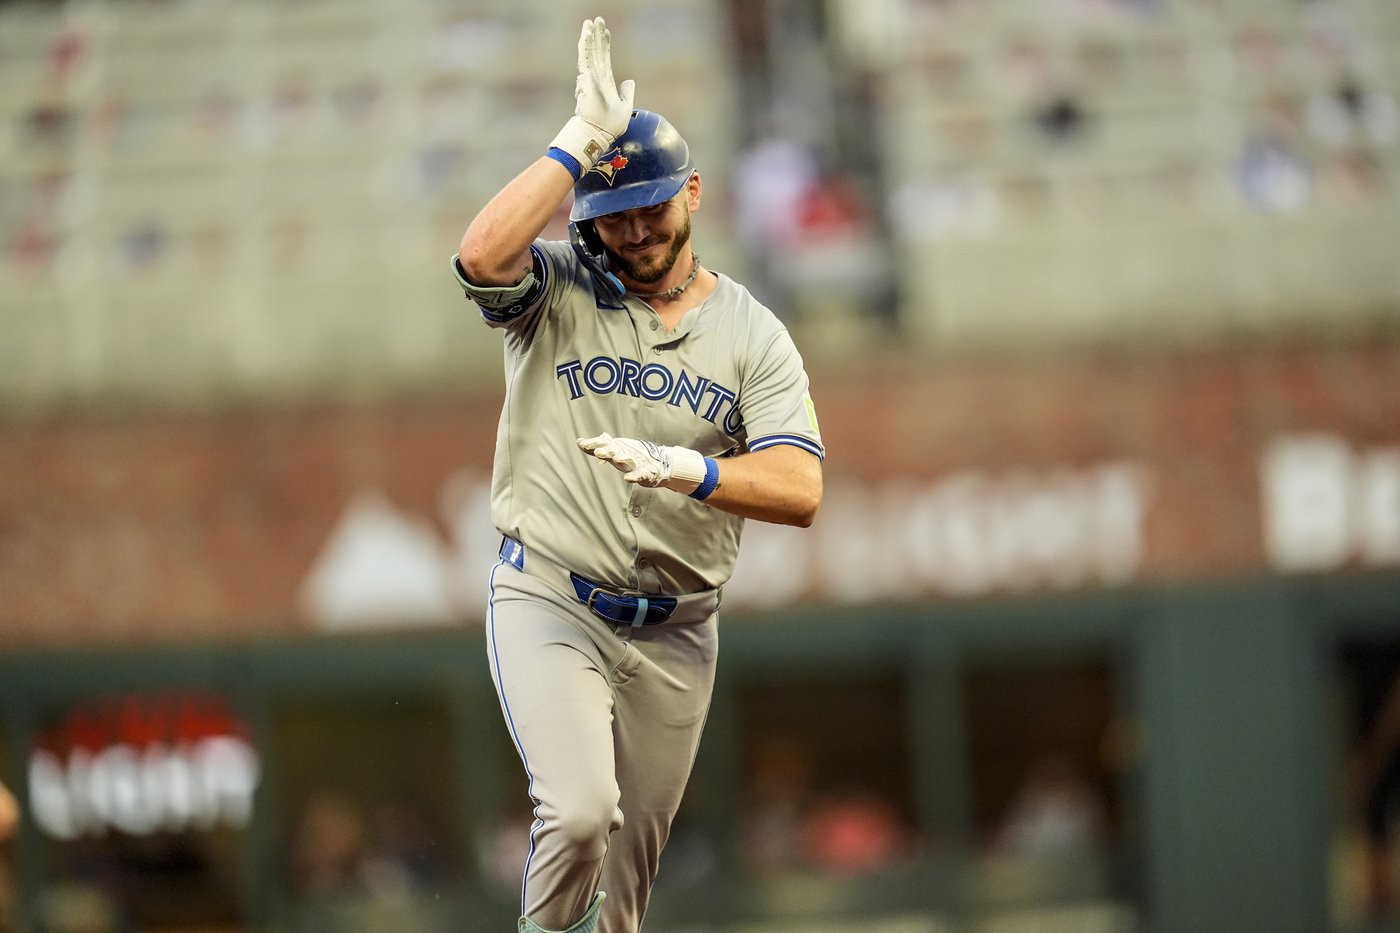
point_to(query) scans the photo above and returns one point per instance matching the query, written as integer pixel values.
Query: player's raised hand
(602, 107)
(648, 464)
(598, 98)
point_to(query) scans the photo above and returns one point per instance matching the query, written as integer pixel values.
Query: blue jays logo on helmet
(610, 164)
(648, 164)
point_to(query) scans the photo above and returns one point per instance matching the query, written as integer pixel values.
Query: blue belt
(623, 608)
(618, 608)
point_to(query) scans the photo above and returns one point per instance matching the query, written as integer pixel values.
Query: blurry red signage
(142, 764)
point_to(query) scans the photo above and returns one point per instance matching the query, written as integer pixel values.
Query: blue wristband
(566, 160)
(710, 483)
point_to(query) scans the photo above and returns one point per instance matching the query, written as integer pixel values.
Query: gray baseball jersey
(580, 361)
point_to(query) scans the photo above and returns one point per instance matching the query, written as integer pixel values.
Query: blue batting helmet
(648, 164)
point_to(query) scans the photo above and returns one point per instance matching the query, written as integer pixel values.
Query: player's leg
(557, 704)
(661, 697)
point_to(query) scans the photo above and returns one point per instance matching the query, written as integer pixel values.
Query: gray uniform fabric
(607, 717)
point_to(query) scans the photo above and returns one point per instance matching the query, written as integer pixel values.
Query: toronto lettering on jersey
(653, 382)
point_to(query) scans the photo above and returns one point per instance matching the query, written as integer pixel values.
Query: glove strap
(687, 470)
(583, 141)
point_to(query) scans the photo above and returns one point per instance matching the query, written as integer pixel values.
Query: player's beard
(653, 270)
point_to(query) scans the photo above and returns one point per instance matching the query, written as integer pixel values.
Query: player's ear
(692, 190)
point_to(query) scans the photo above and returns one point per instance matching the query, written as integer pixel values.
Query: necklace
(673, 292)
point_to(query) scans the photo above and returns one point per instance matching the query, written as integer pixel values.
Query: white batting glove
(647, 464)
(602, 108)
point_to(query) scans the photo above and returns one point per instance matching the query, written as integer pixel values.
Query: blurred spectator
(408, 854)
(830, 208)
(143, 243)
(1057, 813)
(1349, 114)
(837, 261)
(1061, 119)
(65, 53)
(770, 180)
(1331, 37)
(329, 850)
(1372, 784)
(1273, 176)
(289, 109)
(1026, 66)
(278, 117)
(788, 825)
(336, 851)
(779, 785)
(854, 831)
(50, 125)
(1352, 178)
(1259, 50)
(33, 248)
(808, 231)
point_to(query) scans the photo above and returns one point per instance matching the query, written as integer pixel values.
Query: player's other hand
(647, 464)
(641, 462)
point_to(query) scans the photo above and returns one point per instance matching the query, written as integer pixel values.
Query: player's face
(643, 243)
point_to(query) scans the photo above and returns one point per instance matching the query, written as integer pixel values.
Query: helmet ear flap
(583, 236)
(587, 236)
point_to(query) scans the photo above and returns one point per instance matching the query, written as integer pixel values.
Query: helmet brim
(636, 194)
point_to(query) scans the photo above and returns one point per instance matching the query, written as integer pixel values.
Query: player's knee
(586, 823)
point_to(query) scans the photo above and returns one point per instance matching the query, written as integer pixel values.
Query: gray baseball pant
(607, 720)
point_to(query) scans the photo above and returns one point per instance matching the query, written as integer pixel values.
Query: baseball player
(651, 406)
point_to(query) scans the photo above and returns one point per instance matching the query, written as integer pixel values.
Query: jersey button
(654, 325)
(636, 511)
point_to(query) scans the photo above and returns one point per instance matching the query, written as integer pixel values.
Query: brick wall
(176, 527)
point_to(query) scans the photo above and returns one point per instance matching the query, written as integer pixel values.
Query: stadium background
(1099, 302)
